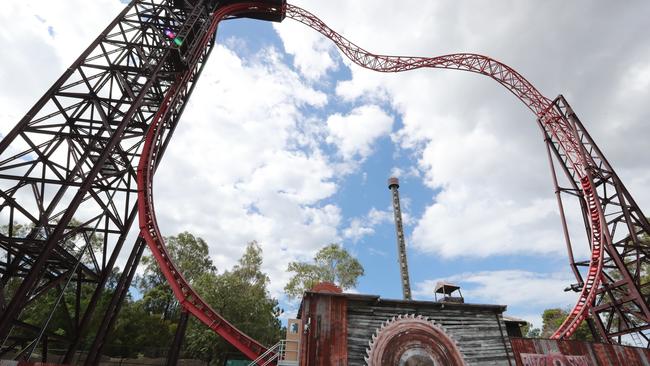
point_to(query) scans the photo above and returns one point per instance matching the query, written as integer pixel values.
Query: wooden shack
(341, 329)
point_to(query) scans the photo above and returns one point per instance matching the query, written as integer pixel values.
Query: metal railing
(277, 353)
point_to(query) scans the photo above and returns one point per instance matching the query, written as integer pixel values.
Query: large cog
(410, 340)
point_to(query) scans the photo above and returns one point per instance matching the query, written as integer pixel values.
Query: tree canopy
(553, 318)
(242, 297)
(192, 257)
(148, 319)
(332, 263)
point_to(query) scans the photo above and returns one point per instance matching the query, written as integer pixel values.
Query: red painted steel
(540, 105)
(186, 295)
(324, 341)
(566, 352)
(559, 128)
(588, 293)
(419, 335)
(326, 287)
(560, 125)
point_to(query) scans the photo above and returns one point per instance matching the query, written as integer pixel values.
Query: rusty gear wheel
(409, 340)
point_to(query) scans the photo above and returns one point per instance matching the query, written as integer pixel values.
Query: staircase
(283, 353)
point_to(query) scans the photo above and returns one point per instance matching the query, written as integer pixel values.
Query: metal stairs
(276, 355)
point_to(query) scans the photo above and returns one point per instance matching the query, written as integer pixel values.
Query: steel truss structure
(620, 304)
(79, 167)
(614, 285)
(68, 169)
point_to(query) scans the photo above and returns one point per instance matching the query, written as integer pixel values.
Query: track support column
(179, 336)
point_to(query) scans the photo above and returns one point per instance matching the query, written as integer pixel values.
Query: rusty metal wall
(324, 322)
(542, 352)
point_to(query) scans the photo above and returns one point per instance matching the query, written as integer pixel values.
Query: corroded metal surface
(324, 323)
(542, 352)
(412, 340)
(327, 287)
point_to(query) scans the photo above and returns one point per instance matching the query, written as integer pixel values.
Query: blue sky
(365, 189)
(287, 143)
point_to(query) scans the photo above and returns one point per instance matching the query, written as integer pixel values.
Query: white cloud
(357, 230)
(410, 171)
(376, 217)
(526, 293)
(314, 63)
(355, 133)
(464, 223)
(476, 142)
(361, 227)
(508, 287)
(240, 169)
(33, 59)
(638, 79)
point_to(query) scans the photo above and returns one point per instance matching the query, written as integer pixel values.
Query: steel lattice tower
(68, 168)
(71, 173)
(620, 305)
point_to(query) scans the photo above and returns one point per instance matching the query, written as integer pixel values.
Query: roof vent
(449, 292)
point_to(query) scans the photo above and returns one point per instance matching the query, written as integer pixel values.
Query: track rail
(560, 129)
(183, 291)
(540, 105)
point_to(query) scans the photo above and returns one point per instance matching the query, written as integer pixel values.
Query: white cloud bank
(313, 64)
(361, 227)
(511, 287)
(241, 169)
(246, 163)
(477, 143)
(39, 41)
(522, 291)
(355, 133)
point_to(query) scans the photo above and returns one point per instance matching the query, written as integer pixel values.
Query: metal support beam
(83, 139)
(619, 308)
(113, 309)
(179, 336)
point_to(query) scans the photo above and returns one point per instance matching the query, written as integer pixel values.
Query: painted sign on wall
(531, 359)
(547, 352)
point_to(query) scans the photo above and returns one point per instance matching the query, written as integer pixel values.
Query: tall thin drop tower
(393, 185)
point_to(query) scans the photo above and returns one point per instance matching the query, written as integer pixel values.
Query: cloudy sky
(287, 143)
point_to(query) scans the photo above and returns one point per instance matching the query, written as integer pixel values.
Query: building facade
(340, 329)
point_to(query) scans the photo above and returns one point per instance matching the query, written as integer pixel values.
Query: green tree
(529, 332)
(145, 327)
(138, 333)
(533, 333)
(192, 258)
(645, 270)
(331, 264)
(60, 299)
(242, 297)
(9, 284)
(157, 310)
(553, 318)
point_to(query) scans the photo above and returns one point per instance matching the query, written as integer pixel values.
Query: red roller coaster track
(186, 295)
(530, 96)
(558, 128)
(71, 168)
